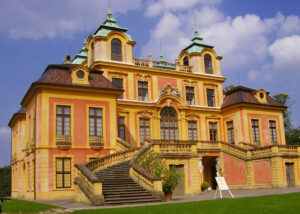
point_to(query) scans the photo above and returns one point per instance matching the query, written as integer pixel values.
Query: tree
(228, 88)
(293, 136)
(5, 181)
(285, 100)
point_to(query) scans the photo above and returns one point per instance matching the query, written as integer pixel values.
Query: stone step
(137, 195)
(120, 192)
(130, 201)
(107, 186)
(129, 198)
(124, 188)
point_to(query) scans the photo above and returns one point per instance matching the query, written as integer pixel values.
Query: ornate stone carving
(145, 113)
(169, 90)
(200, 165)
(189, 82)
(192, 116)
(218, 166)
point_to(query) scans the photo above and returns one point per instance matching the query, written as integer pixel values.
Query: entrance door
(179, 190)
(209, 170)
(290, 176)
(168, 124)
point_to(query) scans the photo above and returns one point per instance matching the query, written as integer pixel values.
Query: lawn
(20, 206)
(281, 204)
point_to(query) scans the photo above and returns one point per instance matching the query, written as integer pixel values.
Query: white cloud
(36, 19)
(4, 132)
(160, 6)
(285, 53)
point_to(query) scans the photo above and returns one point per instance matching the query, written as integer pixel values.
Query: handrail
(125, 144)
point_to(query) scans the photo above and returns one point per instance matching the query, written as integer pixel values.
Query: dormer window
(208, 64)
(186, 61)
(116, 50)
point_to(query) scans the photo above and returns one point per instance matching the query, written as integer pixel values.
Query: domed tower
(110, 43)
(201, 56)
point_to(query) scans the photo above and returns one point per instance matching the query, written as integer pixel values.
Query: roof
(241, 94)
(110, 24)
(60, 75)
(197, 44)
(81, 56)
(21, 113)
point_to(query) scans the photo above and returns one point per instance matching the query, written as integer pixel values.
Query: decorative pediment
(143, 76)
(169, 90)
(189, 82)
(145, 113)
(192, 116)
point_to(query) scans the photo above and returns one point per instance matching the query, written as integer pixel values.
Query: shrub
(205, 185)
(170, 179)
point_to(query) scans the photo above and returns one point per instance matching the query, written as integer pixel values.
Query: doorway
(210, 171)
(179, 189)
(290, 175)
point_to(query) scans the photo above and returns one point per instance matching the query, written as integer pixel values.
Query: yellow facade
(192, 122)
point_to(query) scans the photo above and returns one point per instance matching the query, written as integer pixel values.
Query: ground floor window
(192, 127)
(63, 172)
(144, 129)
(230, 132)
(121, 127)
(213, 131)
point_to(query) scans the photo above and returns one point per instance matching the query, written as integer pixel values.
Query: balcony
(163, 65)
(63, 141)
(96, 142)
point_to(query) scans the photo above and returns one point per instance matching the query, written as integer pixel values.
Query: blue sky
(259, 40)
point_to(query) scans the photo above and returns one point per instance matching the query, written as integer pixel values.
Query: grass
(20, 206)
(287, 204)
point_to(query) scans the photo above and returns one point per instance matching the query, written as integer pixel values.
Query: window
(63, 172)
(116, 50)
(62, 120)
(192, 127)
(208, 64)
(213, 131)
(144, 129)
(92, 53)
(168, 124)
(95, 121)
(272, 124)
(119, 83)
(255, 130)
(121, 127)
(210, 97)
(190, 97)
(186, 61)
(230, 132)
(143, 90)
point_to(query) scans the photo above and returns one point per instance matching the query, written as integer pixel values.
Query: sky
(259, 41)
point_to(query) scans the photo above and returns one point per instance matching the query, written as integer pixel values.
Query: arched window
(169, 124)
(116, 50)
(186, 61)
(92, 53)
(208, 64)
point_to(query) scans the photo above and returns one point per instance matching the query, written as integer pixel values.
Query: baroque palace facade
(106, 107)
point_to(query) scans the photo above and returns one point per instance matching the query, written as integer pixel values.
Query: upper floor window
(143, 90)
(63, 120)
(210, 97)
(116, 50)
(190, 96)
(63, 172)
(192, 127)
(255, 130)
(208, 64)
(119, 83)
(186, 61)
(95, 121)
(230, 132)
(121, 127)
(273, 133)
(213, 131)
(144, 129)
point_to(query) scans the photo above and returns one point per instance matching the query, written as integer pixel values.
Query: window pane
(59, 180)
(92, 111)
(67, 180)
(59, 165)
(58, 109)
(67, 164)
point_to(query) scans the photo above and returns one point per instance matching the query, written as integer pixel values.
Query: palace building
(85, 125)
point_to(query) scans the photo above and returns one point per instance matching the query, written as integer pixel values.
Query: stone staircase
(119, 188)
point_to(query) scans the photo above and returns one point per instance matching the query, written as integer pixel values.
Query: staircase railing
(148, 181)
(88, 185)
(123, 145)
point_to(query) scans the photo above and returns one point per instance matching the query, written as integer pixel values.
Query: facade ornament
(200, 164)
(145, 113)
(192, 116)
(169, 102)
(189, 82)
(143, 76)
(169, 90)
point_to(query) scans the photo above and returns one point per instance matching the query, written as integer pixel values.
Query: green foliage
(170, 179)
(293, 136)
(228, 88)
(205, 185)
(285, 100)
(275, 204)
(152, 163)
(5, 181)
(19, 206)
